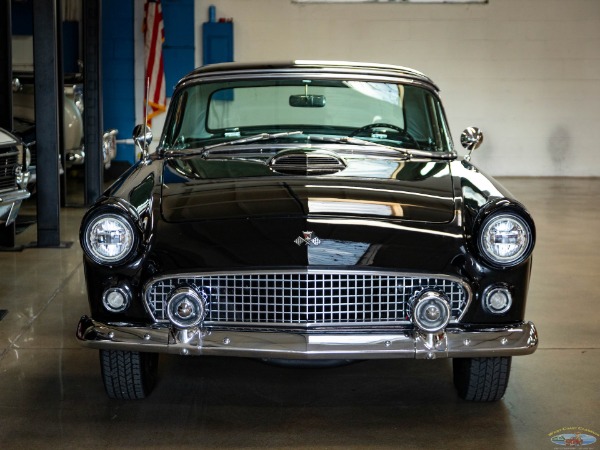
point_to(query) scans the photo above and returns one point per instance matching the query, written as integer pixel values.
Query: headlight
(27, 157)
(109, 238)
(24, 158)
(21, 158)
(505, 239)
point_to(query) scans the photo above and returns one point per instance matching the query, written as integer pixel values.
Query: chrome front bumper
(453, 343)
(10, 202)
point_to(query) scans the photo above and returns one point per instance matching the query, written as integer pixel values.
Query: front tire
(481, 379)
(128, 375)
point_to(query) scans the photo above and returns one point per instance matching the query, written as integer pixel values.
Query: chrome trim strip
(210, 77)
(310, 65)
(454, 343)
(462, 283)
(14, 196)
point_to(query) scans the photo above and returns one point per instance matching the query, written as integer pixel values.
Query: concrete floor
(51, 394)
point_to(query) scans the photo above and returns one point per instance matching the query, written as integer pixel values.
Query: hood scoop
(295, 162)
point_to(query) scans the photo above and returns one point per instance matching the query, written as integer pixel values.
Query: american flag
(154, 36)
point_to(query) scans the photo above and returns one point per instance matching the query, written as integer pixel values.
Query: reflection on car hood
(416, 192)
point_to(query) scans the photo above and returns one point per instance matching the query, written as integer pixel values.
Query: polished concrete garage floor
(51, 394)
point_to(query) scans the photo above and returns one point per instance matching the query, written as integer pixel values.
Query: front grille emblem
(307, 239)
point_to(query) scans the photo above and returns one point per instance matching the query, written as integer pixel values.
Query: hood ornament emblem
(307, 239)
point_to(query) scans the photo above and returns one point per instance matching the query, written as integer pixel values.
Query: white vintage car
(24, 126)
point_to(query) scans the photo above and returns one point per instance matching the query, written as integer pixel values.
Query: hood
(413, 192)
(220, 223)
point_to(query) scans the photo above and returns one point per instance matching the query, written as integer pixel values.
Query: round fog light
(116, 299)
(497, 299)
(185, 308)
(431, 311)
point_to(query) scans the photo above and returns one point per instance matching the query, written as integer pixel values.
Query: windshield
(396, 115)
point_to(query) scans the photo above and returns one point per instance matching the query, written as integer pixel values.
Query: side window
(435, 126)
(424, 119)
(417, 113)
(175, 127)
(444, 130)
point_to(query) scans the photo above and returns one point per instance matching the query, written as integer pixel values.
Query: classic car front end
(14, 176)
(307, 211)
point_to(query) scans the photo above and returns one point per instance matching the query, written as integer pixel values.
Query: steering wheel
(400, 130)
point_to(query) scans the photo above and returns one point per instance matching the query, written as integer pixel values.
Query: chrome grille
(306, 298)
(8, 170)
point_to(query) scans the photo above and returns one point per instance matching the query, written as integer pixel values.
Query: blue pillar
(118, 77)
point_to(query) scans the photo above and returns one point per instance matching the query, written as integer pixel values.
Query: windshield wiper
(256, 137)
(357, 141)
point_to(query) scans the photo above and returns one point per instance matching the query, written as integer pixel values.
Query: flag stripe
(154, 35)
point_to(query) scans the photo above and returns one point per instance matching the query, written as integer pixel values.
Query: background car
(307, 211)
(14, 176)
(24, 122)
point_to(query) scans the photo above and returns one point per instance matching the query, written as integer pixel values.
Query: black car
(307, 211)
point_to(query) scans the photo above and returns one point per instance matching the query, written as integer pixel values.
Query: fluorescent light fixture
(390, 1)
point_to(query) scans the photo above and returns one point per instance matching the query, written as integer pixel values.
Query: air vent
(307, 163)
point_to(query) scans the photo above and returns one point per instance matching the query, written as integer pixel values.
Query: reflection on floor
(51, 395)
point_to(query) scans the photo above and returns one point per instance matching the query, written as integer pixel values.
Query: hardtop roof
(304, 66)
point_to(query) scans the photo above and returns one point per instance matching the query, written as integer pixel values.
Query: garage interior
(527, 72)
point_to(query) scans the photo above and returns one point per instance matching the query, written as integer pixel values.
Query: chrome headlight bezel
(114, 224)
(518, 239)
(123, 296)
(499, 289)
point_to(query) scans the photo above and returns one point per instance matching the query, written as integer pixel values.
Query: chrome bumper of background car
(455, 342)
(10, 203)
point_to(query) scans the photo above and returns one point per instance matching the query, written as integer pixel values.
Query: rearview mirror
(307, 101)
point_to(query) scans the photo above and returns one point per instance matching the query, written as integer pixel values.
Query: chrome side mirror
(16, 85)
(142, 136)
(471, 139)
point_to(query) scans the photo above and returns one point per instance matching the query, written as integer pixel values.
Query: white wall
(527, 72)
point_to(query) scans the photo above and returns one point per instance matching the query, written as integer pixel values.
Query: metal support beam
(7, 233)
(6, 116)
(48, 87)
(92, 99)
(61, 104)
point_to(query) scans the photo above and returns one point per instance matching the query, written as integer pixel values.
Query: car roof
(315, 67)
